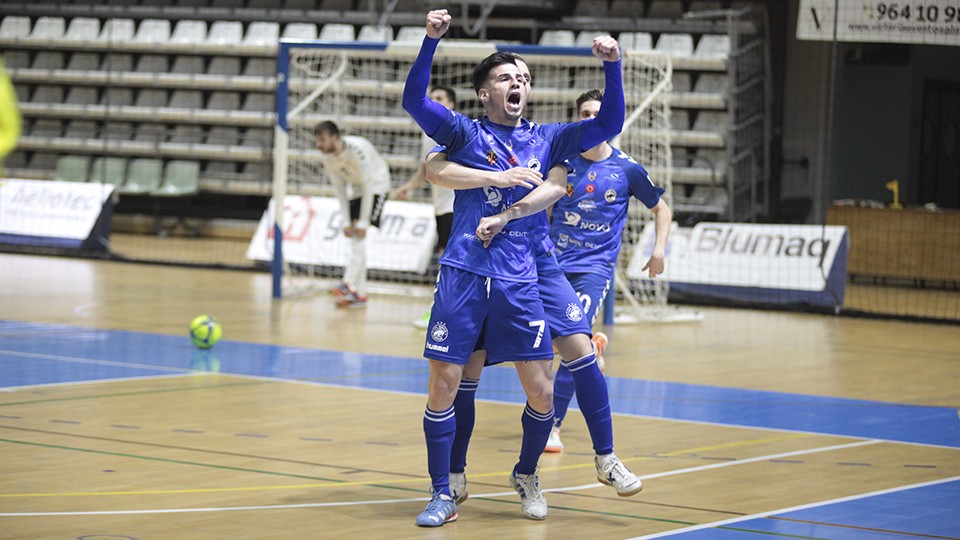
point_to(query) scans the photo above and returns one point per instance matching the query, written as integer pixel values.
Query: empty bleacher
(194, 79)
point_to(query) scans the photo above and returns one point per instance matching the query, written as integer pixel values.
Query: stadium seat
(591, 8)
(225, 65)
(262, 138)
(153, 31)
(260, 67)
(410, 34)
(117, 30)
(118, 131)
(713, 46)
(81, 129)
(14, 26)
(189, 31)
(42, 161)
(337, 32)
(151, 97)
(705, 5)
(262, 33)
(117, 62)
(48, 60)
(300, 4)
(189, 65)
(47, 94)
(153, 63)
(180, 178)
(259, 102)
(150, 133)
(73, 168)
(186, 99)
(226, 3)
(13, 59)
(626, 8)
(23, 92)
(143, 176)
(262, 4)
(193, 3)
(260, 172)
(372, 32)
(117, 97)
(635, 41)
(680, 119)
(711, 82)
(109, 170)
(665, 9)
(585, 37)
(300, 31)
(83, 29)
(675, 44)
(224, 135)
(46, 127)
(14, 160)
(48, 28)
(225, 33)
(710, 121)
(85, 61)
(83, 95)
(224, 101)
(556, 38)
(336, 5)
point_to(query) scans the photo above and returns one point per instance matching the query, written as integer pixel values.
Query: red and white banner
(313, 234)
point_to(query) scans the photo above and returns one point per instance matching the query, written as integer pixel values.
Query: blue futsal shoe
(441, 509)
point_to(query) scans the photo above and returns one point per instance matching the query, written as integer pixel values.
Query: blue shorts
(564, 310)
(592, 290)
(508, 312)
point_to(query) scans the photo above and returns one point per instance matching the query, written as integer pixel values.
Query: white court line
(421, 499)
(15, 389)
(94, 361)
(794, 509)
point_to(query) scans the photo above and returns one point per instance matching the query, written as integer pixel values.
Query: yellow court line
(373, 482)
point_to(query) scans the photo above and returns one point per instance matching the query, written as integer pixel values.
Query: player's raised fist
(438, 22)
(606, 48)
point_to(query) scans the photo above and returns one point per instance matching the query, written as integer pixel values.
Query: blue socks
(536, 431)
(439, 428)
(563, 389)
(465, 404)
(591, 389)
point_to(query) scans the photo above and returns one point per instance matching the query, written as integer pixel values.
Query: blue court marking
(923, 512)
(33, 354)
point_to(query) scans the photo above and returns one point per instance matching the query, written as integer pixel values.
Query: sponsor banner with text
(927, 22)
(765, 263)
(55, 214)
(314, 235)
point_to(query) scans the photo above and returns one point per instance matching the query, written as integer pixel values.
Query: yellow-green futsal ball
(205, 331)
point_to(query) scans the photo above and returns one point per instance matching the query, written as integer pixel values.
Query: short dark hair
(326, 127)
(451, 95)
(482, 71)
(589, 95)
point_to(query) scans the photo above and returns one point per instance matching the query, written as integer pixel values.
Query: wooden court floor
(305, 422)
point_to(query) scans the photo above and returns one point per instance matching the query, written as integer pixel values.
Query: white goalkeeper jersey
(358, 172)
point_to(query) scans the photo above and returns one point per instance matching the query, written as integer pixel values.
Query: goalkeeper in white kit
(361, 179)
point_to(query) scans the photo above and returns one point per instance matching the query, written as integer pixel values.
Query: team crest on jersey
(494, 197)
(563, 240)
(534, 164)
(574, 312)
(491, 157)
(571, 218)
(592, 175)
(569, 189)
(591, 188)
(610, 195)
(440, 332)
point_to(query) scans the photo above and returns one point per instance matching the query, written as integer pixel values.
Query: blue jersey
(587, 226)
(482, 144)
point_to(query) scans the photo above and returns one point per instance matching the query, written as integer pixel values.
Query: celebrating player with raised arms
(495, 289)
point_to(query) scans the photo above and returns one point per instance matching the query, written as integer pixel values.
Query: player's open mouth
(513, 99)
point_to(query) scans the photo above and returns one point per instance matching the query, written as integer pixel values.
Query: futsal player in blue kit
(495, 288)
(587, 231)
(599, 186)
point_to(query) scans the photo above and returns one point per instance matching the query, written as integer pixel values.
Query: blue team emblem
(574, 312)
(571, 218)
(610, 195)
(439, 332)
(562, 241)
(534, 164)
(592, 175)
(494, 197)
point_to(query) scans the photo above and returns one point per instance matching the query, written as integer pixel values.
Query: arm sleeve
(428, 113)
(609, 120)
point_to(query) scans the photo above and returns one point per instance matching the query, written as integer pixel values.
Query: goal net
(359, 86)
